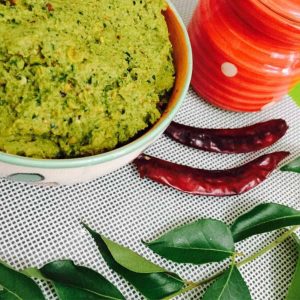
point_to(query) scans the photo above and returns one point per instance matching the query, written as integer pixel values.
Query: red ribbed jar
(246, 52)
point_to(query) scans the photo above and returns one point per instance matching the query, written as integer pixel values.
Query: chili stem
(192, 285)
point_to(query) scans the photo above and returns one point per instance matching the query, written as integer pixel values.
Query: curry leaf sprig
(293, 166)
(200, 242)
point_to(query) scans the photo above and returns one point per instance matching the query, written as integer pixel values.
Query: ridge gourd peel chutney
(79, 78)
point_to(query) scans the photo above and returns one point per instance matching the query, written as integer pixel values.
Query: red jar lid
(289, 9)
(278, 19)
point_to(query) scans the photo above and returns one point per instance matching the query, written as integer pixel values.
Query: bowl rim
(119, 152)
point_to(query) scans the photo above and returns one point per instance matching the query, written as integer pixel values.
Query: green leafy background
(295, 94)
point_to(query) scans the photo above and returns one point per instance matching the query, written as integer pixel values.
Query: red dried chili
(209, 183)
(239, 140)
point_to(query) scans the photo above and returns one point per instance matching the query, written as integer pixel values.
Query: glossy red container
(246, 52)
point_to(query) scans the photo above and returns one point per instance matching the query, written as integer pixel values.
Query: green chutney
(79, 78)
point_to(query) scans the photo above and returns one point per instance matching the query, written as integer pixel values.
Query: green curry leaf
(152, 281)
(80, 283)
(264, 218)
(293, 166)
(230, 286)
(201, 242)
(131, 260)
(17, 285)
(294, 290)
(5, 295)
(34, 273)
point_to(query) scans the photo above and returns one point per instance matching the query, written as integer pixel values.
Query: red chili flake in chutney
(49, 7)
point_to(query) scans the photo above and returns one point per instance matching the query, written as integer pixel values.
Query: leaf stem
(271, 246)
(192, 285)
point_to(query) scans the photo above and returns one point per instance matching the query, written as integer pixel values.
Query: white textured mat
(43, 224)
